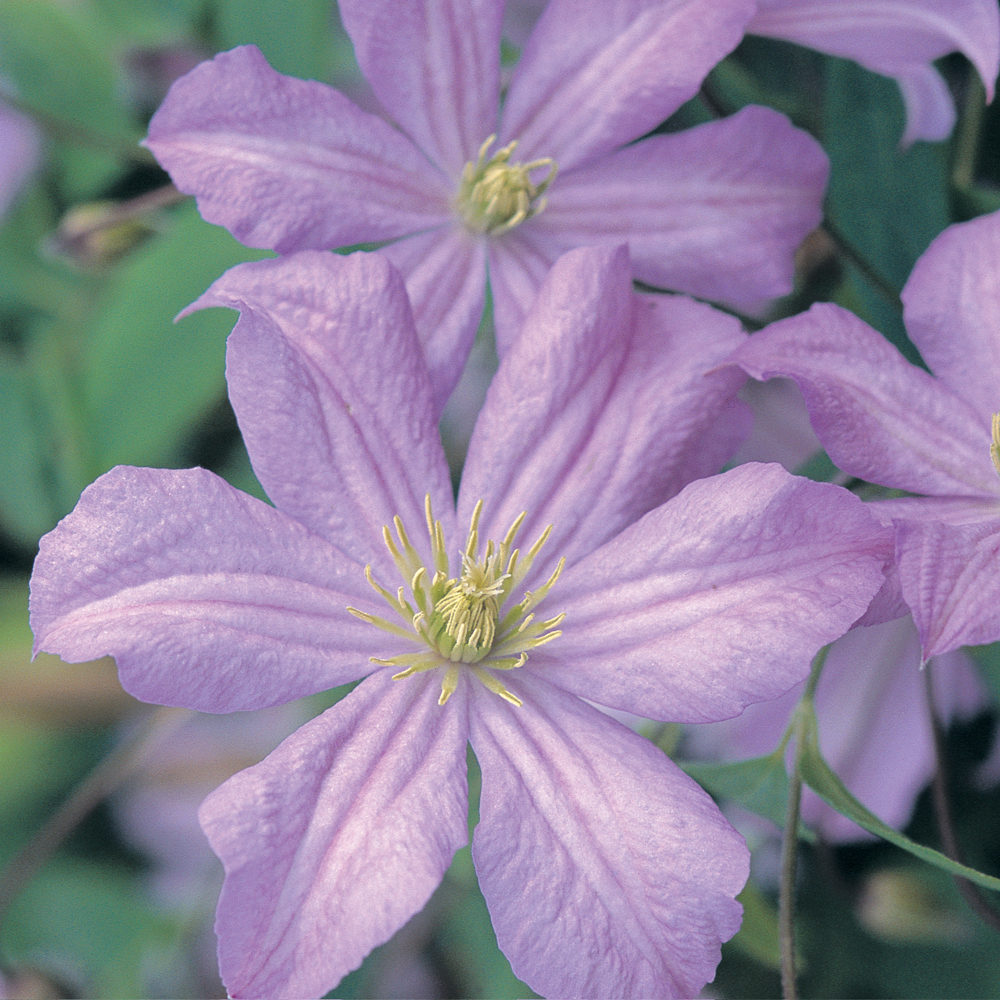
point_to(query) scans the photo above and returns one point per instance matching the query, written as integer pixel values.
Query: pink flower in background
(20, 153)
(890, 422)
(716, 211)
(606, 870)
(874, 725)
(898, 38)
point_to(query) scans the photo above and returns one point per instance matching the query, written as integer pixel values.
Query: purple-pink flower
(715, 211)
(583, 559)
(898, 38)
(890, 422)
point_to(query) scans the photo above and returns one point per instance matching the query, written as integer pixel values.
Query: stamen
(496, 195)
(458, 619)
(995, 446)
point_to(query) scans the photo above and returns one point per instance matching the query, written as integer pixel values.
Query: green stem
(851, 252)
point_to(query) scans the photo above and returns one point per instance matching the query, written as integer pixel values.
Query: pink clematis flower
(715, 211)
(890, 422)
(635, 585)
(898, 38)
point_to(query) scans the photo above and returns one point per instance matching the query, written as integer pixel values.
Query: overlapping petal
(291, 164)
(930, 109)
(716, 211)
(435, 66)
(595, 76)
(718, 598)
(878, 416)
(602, 410)
(951, 304)
(205, 596)
(338, 837)
(889, 36)
(331, 390)
(445, 273)
(602, 880)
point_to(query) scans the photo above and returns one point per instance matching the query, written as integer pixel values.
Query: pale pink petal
(601, 411)
(889, 36)
(717, 599)
(947, 570)
(930, 108)
(206, 597)
(519, 262)
(291, 164)
(952, 310)
(879, 417)
(435, 66)
(331, 390)
(781, 429)
(338, 837)
(716, 211)
(594, 76)
(20, 153)
(445, 274)
(607, 871)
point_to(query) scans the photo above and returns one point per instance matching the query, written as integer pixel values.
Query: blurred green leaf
(294, 35)
(145, 379)
(758, 935)
(759, 784)
(818, 775)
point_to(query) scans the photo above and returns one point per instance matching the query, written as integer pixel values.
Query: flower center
(464, 619)
(995, 444)
(496, 195)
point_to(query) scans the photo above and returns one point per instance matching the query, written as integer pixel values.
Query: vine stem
(790, 836)
(942, 813)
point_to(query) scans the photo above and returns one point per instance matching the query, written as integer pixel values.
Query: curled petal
(930, 108)
(337, 838)
(331, 390)
(290, 164)
(717, 599)
(606, 870)
(206, 597)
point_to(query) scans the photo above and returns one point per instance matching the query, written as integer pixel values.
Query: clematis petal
(337, 838)
(930, 108)
(206, 597)
(519, 262)
(879, 417)
(593, 77)
(947, 552)
(435, 66)
(952, 310)
(716, 211)
(889, 36)
(290, 164)
(606, 870)
(718, 598)
(20, 153)
(331, 389)
(445, 273)
(602, 410)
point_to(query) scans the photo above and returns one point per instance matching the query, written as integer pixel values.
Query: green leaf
(145, 379)
(294, 35)
(759, 784)
(818, 775)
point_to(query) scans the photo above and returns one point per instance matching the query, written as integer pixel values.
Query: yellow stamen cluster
(462, 620)
(496, 195)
